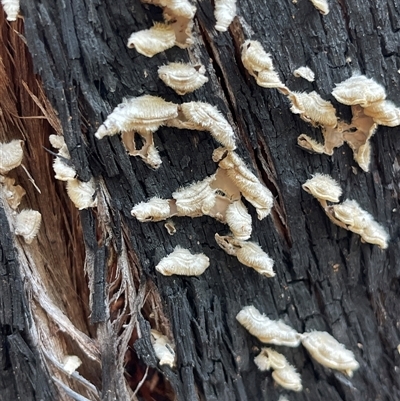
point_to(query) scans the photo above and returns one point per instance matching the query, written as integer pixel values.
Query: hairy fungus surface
(163, 348)
(183, 263)
(183, 78)
(266, 330)
(11, 155)
(225, 12)
(329, 352)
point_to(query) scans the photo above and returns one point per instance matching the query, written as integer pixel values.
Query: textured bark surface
(326, 278)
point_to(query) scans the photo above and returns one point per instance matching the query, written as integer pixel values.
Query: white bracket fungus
(27, 224)
(304, 72)
(158, 38)
(178, 15)
(247, 183)
(61, 164)
(11, 155)
(323, 187)
(183, 263)
(71, 363)
(163, 348)
(284, 373)
(155, 209)
(347, 214)
(364, 95)
(259, 64)
(183, 78)
(82, 193)
(205, 117)
(248, 253)
(11, 8)
(321, 5)
(225, 12)
(357, 220)
(267, 330)
(142, 115)
(329, 352)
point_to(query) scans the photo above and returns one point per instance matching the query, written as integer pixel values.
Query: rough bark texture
(326, 278)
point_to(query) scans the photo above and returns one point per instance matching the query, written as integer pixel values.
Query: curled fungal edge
(143, 114)
(11, 8)
(82, 193)
(239, 220)
(313, 109)
(183, 263)
(183, 78)
(259, 64)
(225, 12)
(359, 89)
(304, 72)
(329, 352)
(321, 5)
(284, 373)
(204, 116)
(323, 186)
(359, 221)
(267, 330)
(11, 155)
(155, 209)
(27, 224)
(248, 184)
(248, 253)
(163, 348)
(157, 39)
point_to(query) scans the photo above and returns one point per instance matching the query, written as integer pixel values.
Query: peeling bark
(87, 285)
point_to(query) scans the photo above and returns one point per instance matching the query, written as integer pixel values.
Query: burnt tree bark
(326, 278)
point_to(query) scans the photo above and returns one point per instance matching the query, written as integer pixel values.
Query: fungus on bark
(266, 330)
(326, 350)
(183, 263)
(183, 78)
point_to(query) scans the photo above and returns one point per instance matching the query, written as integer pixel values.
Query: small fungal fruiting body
(155, 209)
(321, 5)
(239, 220)
(13, 193)
(183, 263)
(327, 351)
(197, 199)
(82, 194)
(269, 358)
(323, 186)
(284, 373)
(155, 40)
(359, 89)
(248, 253)
(384, 113)
(225, 12)
(144, 114)
(11, 8)
(360, 222)
(248, 184)
(267, 330)
(259, 64)
(61, 164)
(313, 109)
(163, 348)
(11, 155)
(27, 224)
(304, 72)
(183, 78)
(288, 378)
(204, 116)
